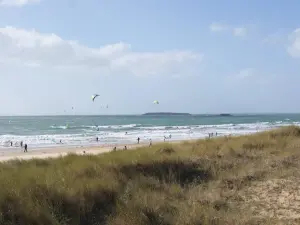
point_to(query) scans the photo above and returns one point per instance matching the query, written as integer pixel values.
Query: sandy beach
(44, 153)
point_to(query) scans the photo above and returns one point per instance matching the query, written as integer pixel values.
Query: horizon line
(140, 114)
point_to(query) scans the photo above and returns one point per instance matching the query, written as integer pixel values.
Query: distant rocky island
(225, 114)
(217, 115)
(181, 114)
(166, 114)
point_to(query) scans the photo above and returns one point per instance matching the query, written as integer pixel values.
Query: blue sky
(196, 56)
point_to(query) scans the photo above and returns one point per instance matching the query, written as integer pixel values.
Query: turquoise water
(43, 131)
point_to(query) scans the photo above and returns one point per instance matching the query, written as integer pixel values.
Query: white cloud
(236, 31)
(245, 73)
(277, 38)
(215, 27)
(294, 43)
(240, 31)
(271, 39)
(17, 3)
(241, 75)
(33, 49)
(251, 76)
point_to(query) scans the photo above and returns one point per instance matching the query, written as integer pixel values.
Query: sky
(196, 56)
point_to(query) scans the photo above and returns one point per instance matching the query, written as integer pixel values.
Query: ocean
(47, 131)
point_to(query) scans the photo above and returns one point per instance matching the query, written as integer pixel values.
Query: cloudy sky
(193, 56)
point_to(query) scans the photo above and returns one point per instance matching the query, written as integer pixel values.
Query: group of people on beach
(170, 136)
(138, 142)
(125, 147)
(212, 134)
(21, 145)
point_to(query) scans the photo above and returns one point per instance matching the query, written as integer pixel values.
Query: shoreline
(57, 145)
(59, 151)
(55, 152)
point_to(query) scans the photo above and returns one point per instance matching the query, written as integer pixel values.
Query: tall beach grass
(190, 183)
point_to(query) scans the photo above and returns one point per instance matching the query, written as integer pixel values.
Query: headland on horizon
(182, 114)
(165, 114)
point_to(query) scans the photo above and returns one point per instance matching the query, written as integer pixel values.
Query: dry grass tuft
(167, 150)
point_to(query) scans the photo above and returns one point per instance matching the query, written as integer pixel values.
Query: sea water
(48, 131)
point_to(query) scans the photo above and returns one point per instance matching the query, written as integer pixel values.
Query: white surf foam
(115, 134)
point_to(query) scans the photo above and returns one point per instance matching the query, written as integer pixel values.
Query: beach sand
(58, 151)
(44, 153)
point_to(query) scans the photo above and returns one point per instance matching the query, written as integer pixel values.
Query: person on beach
(21, 144)
(97, 139)
(150, 144)
(25, 148)
(125, 148)
(138, 139)
(11, 143)
(164, 138)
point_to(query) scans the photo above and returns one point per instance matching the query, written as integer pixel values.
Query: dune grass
(226, 180)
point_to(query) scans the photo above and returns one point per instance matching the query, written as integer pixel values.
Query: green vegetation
(230, 180)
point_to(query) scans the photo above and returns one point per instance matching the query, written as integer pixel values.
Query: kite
(94, 96)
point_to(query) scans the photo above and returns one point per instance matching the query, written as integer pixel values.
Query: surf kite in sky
(94, 96)
(156, 102)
